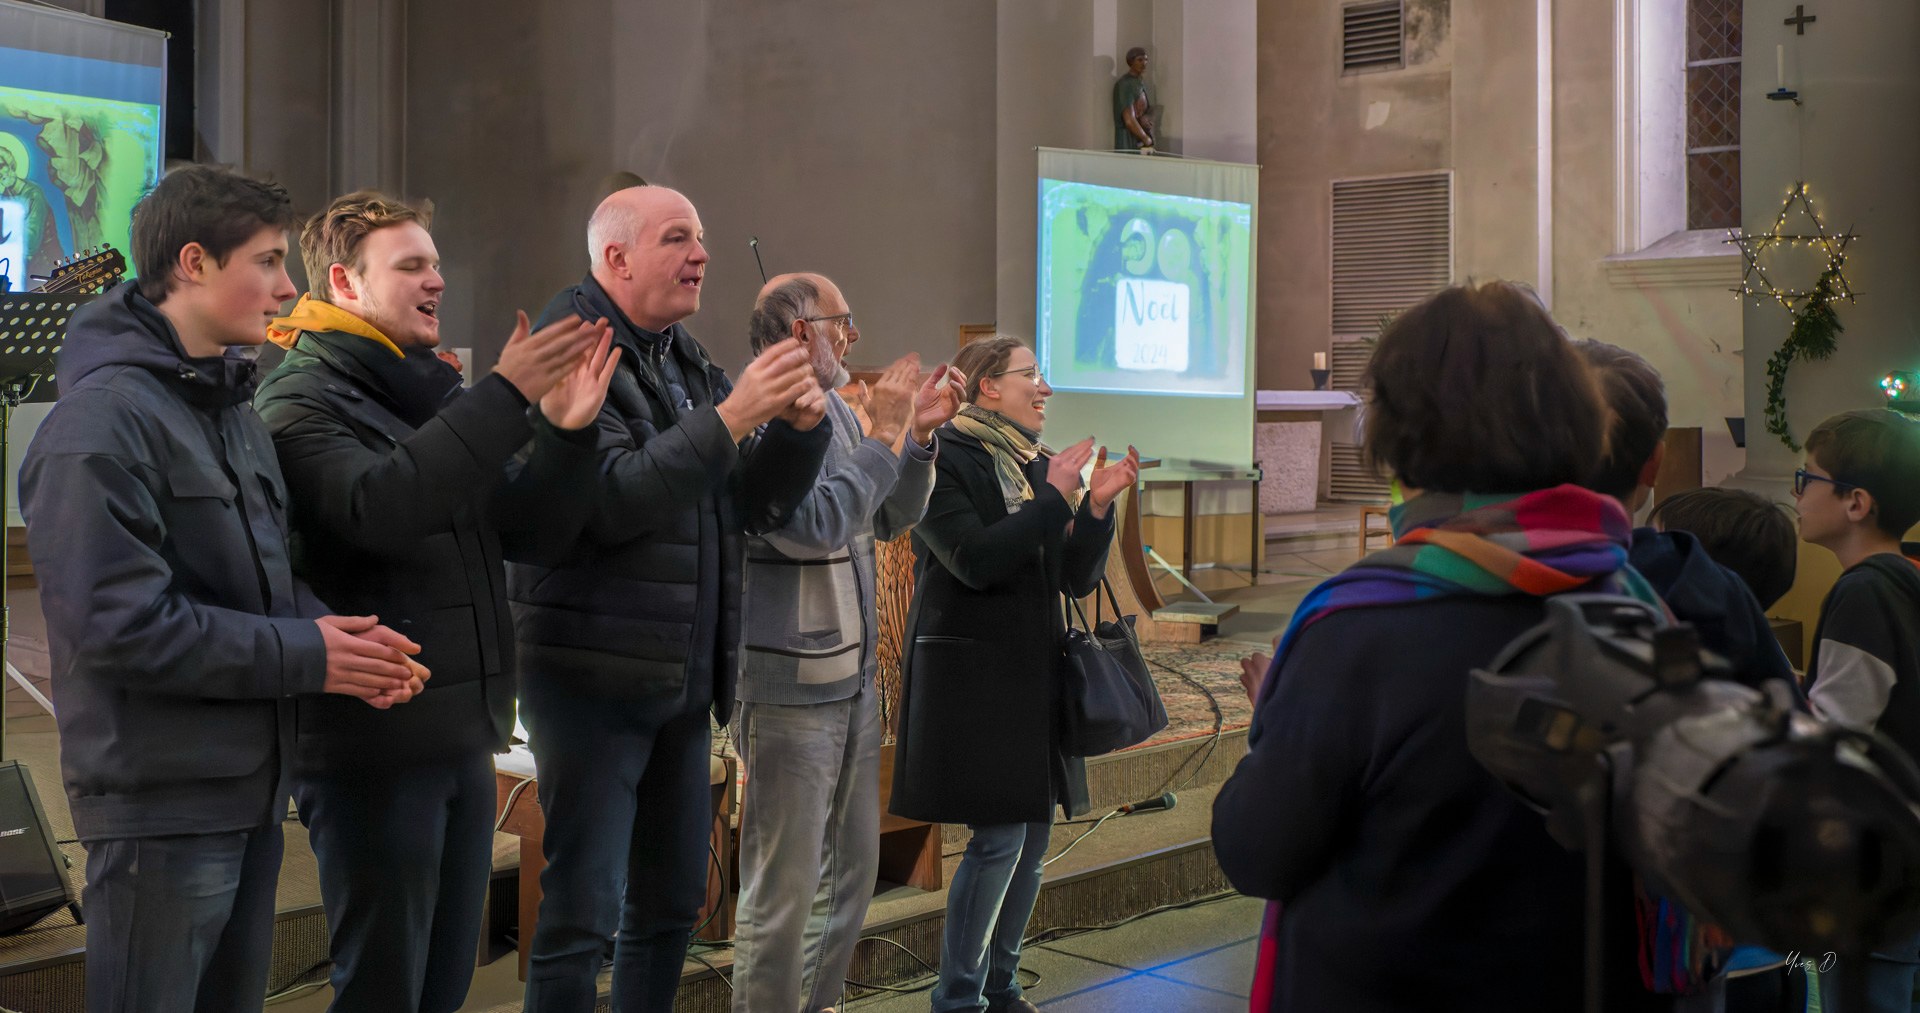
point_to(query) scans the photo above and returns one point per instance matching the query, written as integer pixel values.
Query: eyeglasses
(1030, 372)
(843, 319)
(1803, 476)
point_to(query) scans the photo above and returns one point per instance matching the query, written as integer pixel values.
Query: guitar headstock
(87, 272)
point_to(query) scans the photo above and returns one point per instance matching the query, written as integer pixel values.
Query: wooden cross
(1800, 19)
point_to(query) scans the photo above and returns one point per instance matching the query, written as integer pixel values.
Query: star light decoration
(1754, 282)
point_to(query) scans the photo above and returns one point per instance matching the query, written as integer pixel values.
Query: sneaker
(1015, 1006)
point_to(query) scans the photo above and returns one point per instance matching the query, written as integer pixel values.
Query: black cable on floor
(1058, 933)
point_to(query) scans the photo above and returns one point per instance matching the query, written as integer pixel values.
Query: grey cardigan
(810, 623)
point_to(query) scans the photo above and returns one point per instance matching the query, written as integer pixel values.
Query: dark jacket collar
(414, 387)
(590, 302)
(122, 328)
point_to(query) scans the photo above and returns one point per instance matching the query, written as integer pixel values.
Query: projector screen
(80, 135)
(1143, 292)
(1145, 303)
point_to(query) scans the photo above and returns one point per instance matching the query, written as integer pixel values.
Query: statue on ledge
(1132, 113)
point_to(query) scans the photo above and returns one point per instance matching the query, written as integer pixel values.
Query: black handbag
(1107, 697)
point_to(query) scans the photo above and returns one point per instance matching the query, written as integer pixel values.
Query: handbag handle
(1105, 585)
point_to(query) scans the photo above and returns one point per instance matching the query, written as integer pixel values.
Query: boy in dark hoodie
(1697, 588)
(1743, 531)
(178, 633)
(1858, 493)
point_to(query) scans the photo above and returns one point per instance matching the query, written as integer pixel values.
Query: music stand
(32, 327)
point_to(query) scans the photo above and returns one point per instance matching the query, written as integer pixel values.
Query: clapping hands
(1109, 480)
(937, 402)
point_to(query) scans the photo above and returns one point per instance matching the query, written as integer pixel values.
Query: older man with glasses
(808, 720)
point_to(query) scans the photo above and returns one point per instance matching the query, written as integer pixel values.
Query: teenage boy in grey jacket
(808, 722)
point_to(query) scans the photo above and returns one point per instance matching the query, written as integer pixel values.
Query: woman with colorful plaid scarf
(1403, 876)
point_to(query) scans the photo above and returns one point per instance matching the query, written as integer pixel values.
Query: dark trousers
(181, 923)
(625, 788)
(405, 853)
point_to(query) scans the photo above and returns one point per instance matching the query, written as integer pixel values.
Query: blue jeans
(625, 787)
(404, 861)
(988, 905)
(809, 849)
(181, 923)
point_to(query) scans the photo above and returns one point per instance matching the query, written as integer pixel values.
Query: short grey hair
(774, 314)
(612, 222)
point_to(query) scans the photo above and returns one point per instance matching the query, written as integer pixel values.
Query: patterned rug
(1192, 679)
(1211, 677)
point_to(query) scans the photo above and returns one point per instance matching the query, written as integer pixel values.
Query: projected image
(1142, 293)
(71, 169)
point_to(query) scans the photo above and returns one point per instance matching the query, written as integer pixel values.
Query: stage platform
(1129, 865)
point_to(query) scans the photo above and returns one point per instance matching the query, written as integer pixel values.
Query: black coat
(976, 741)
(154, 510)
(647, 603)
(1410, 879)
(407, 524)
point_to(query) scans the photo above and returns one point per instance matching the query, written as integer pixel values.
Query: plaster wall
(1854, 69)
(1218, 78)
(1315, 125)
(1676, 312)
(853, 138)
(1468, 101)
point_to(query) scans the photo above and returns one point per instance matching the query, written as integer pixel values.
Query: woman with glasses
(1009, 528)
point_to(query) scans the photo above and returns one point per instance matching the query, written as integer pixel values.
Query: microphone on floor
(1165, 801)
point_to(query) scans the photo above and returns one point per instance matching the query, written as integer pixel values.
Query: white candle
(1780, 66)
(1319, 360)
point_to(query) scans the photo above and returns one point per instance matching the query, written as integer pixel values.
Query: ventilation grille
(1350, 365)
(1348, 479)
(1392, 247)
(1371, 37)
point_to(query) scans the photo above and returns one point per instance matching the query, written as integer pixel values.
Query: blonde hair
(334, 236)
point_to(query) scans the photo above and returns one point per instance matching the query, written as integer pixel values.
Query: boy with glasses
(1858, 494)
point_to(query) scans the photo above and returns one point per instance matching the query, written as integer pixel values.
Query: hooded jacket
(402, 508)
(1715, 600)
(156, 518)
(647, 604)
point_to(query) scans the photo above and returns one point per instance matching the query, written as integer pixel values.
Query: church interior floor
(1195, 958)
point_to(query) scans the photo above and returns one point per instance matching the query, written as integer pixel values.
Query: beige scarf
(1012, 447)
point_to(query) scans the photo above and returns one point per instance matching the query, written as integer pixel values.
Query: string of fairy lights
(1755, 283)
(1815, 325)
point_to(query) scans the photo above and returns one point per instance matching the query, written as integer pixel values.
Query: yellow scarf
(1011, 447)
(310, 314)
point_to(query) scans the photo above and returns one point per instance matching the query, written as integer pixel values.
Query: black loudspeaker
(33, 873)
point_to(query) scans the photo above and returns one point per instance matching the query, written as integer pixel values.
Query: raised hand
(936, 403)
(368, 661)
(771, 384)
(534, 362)
(575, 401)
(1063, 469)
(890, 401)
(807, 410)
(1253, 672)
(1107, 483)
